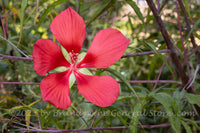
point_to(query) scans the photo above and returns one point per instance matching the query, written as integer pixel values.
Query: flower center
(74, 59)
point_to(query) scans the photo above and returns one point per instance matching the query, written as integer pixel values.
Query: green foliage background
(21, 106)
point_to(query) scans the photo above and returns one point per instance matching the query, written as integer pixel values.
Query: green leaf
(196, 35)
(42, 2)
(192, 122)
(17, 107)
(187, 128)
(34, 102)
(122, 78)
(187, 6)
(86, 6)
(135, 117)
(174, 105)
(141, 95)
(152, 66)
(22, 10)
(194, 26)
(42, 118)
(92, 116)
(136, 9)
(122, 120)
(165, 99)
(124, 98)
(102, 9)
(58, 126)
(193, 99)
(27, 117)
(130, 23)
(98, 120)
(50, 8)
(3, 127)
(3, 99)
(178, 99)
(151, 45)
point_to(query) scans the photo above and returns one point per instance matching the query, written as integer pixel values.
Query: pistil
(74, 59)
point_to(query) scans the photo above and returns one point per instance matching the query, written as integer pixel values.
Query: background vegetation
(158, 73)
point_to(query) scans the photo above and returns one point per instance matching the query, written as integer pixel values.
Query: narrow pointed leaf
(52, 6)
(102, 9)
(187, 128)
(22, 11)
(122, 78)
(136, 9)
(194, 26)
(135, 117)
(159, 55)
(193, 99)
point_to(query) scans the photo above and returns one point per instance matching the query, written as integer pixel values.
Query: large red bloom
(70, 30)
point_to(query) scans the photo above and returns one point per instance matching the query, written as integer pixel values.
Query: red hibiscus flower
(70, 31)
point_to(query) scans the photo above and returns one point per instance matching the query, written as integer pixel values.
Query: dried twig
(145, 53)
(15, 58)
(20, 83)
(13, 45)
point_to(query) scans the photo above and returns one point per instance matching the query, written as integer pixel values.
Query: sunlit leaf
(34, 102)
(17, 107)
(27, 117)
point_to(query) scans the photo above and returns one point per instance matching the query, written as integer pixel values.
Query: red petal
(69, 29)
(47, 56)
(102, 91)
(107, 47)
(55, 89)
